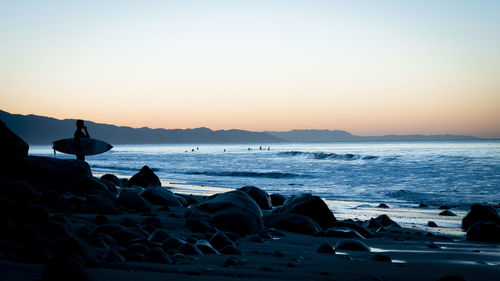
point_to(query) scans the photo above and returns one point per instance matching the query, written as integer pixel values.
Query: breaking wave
(328, 156)
(272, 175)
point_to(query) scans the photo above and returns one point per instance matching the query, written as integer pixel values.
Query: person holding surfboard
(81, 145)
(81, 132)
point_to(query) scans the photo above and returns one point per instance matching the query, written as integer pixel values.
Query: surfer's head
(79, 124)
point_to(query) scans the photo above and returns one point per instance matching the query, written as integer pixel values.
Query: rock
(343, 232)
(11, 144)
(255, 239)
(484, 231)
(134, 256)
(197, 221)
(220, 240)
(233, 211)
(154, 221)
(381, 258)
(160, 196)
(190, 249)
(113, 256)
(230, 262)
(49, 171)
(65, 267)
(325, 249)
(422, 205)
(124, 236)
(157, 255)
(205, 247)
(451, 278)
(101, 219)
(292, 222)
(480, 212)
(145, 178)
(110, 186)
(444, 207)
(351, 245)
(260, 196)
(230, 250)
(366, 233)
(382, 220)
(278, 254)
(19, 191)
(277, 199)
(383, 205)
(87, 183)
(133, 201)
(112, 178)
(103, 205)
(431, 224)
(172, 243)
(138, 248)
(310, 206)
(447, 213)
(159, 235)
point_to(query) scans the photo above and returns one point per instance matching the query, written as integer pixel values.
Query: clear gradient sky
(368, 67)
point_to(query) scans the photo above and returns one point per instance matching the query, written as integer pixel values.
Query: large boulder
(145, 178)
(480, 212)
(88, 183)
(160, 196)
(49, 171)
(484, 231)
(12, 146)
(133, 201)
(232, 211)
(292, 222)
(309, 206)
(260, 196)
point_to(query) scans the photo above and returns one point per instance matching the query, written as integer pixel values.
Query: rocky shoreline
(59, 222)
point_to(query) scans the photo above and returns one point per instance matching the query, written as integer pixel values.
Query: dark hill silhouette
(44, 130)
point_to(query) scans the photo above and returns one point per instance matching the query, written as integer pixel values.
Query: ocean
(400, 174)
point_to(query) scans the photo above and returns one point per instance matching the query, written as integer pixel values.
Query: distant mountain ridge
(36, 129)
(339, 135)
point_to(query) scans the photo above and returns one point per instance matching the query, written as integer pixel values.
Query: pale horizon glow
(367, 67)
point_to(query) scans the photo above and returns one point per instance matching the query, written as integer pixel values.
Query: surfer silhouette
(81, 132)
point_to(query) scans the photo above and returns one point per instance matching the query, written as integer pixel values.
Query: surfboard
(88, 146)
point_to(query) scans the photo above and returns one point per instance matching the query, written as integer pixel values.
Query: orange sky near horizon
(370, 69)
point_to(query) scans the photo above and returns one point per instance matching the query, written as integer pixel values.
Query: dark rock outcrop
(145, 178)
(277, 199)
(260, 196)
(12, 146)
(292, 222)
(232, 211)
(382, 220)
(133, 201)
(310, 206)
(50, 172)
(484, 231)
(480, 212)
(325, 249)
(160, 196)
(351, 245)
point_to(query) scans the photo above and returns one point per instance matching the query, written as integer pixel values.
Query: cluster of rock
(482, 223)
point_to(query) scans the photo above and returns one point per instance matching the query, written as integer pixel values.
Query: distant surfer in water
(81, 132)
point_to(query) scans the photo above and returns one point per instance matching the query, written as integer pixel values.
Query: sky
(368, 67)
